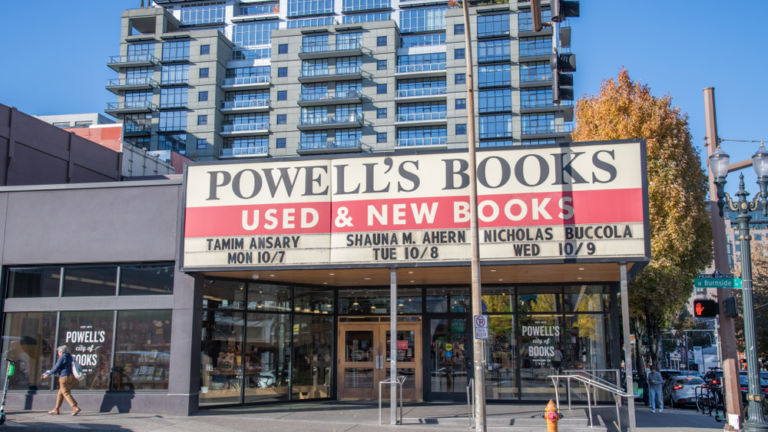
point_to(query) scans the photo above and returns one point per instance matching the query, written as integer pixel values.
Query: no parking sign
(481, 326)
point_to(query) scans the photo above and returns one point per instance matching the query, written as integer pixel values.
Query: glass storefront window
(538, 299)
(267, 357)
(34, 282)
(221, 357)
(90, 281)
(312, 354)
(28, 339)
(498, 299)
(142, 350)
(262, 297)
(449, 355)
(310, 300)
(408, 301)
(585, 298)
(541, 353)
(146, 279)
(223, 294)
(88, 334)
(376, 301)
(501, 379)
(440, 300)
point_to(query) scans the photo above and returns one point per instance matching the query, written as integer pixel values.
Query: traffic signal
(703, 308)
(731, 307)
(563, 9)
(562, 83)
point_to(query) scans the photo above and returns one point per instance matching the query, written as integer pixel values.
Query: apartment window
(207, 14)
(348, 65)
(460, 78)
(297, 8)
(176, 142)
(496, 100)
(202, 120)
(461, 103)
(280, 143)
(538, 123)
(141, 51)
(203, 72)
(493, 75)
(205, 49)
(536, 98)
(461, 129)
(282, 95)
(538, 46)
(381, 113)
(381, 65)
(282, 49)
(202, 143)
(253, 33)
(381, 137)
(493, 50)
(176, 51)
(282, 71)
(366, 17)
(421, 136)
(136, 99)
(173, 97)
(202, 96)
(458, 54)
(173, 121)
(533, 72)
(492, 25)
(381, 89)
(458, 29)
(421, 111)
(360, 5)
(495, 126)
(349, 41)
(175, 74)
(422, 19)
(381, 41)
(282, 118)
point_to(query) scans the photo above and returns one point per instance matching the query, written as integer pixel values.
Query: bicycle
(709, 398)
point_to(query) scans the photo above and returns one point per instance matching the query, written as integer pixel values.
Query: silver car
(680, 390)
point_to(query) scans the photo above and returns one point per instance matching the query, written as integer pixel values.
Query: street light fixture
(719, 163)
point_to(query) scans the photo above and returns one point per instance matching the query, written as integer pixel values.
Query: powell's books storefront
(270, 281)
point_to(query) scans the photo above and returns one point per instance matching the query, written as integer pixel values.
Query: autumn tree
(681, 234)
(759, 299)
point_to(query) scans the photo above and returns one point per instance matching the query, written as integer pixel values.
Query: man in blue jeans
(655, 381)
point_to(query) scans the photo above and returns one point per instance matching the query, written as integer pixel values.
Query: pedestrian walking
(63, 367)
(655, 380)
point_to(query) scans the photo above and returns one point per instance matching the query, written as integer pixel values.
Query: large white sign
(581, 202)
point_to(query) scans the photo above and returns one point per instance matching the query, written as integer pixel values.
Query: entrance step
(571, 422)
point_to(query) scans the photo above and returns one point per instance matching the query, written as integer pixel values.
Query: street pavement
(345, 417)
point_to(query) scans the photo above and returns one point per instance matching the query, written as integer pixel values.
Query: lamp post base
(755, 427)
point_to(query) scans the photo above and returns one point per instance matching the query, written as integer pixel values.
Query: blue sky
(53, 57)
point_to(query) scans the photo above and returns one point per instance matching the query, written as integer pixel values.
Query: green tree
(759, 300)
(681, 234)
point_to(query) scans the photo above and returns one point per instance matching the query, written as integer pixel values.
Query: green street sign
(717, 283)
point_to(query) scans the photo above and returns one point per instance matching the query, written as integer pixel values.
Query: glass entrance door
(450, 353)
(364, 359)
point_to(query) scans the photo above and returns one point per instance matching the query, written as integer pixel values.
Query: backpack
(77, 370)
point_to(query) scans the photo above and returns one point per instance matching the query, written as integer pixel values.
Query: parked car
(681, 390)
(744, 384)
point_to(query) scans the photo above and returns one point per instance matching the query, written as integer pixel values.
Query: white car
(680, 390)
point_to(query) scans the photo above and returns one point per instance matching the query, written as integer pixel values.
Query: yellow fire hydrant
(552, 416)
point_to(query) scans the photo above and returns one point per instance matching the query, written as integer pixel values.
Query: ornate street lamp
(718, 163)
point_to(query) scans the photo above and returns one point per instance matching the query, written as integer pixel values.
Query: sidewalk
(343, 417)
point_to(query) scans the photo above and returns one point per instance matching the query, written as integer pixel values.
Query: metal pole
(478, 351)
(627, 346)
(393, 346)
(727, 331)
(756, 420)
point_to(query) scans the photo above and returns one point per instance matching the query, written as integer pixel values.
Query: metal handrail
(398, 381)
(589, 385)
(470, 399)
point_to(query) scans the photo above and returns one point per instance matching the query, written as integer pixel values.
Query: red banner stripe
(505, 210)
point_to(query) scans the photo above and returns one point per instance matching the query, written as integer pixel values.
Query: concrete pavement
(344, 417)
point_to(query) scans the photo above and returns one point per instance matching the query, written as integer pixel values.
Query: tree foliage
(681, 234)
(759, 300)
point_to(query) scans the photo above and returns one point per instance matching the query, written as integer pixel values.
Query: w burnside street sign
(717, 280)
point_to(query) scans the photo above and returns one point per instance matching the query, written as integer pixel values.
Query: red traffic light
(704, 308)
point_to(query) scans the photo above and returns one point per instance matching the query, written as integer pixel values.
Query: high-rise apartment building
(244, 78)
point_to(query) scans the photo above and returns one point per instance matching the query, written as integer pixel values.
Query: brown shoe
(75, 411)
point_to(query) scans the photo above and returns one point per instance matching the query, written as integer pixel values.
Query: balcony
(115, 108)
(422, 94)
(117, 85)
(245, 129)
(538, 106)
(136, 129)
(421, 70)
(246, 82)
(546, 131)
(535, 79)
(331, 75)
(327, 51)
(134, 60)
(332, 121)
(330, 146)
(412, 3)
(256, 12)
(331, 97)
(238, 152)
(421, 142)
(423, 118)
(245, 105)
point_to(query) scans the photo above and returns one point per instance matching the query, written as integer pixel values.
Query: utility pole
(478, 345)
(727, 333)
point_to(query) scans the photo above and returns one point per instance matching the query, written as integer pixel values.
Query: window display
(29, 341)
(142, 350)
(88, 335)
